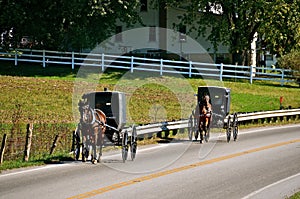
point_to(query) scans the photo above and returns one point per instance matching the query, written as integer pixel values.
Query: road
(263, 163)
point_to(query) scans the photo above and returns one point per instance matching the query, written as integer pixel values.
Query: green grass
(295, 196)
(45, 94)
(50, 159)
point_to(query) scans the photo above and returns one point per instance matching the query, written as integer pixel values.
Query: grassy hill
(45, 94)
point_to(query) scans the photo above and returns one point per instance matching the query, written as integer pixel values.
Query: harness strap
(94, 119)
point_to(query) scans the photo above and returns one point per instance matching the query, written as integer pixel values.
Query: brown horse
(93, 126)
(205, 117)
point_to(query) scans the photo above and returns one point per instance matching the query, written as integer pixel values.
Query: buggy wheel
(235, 126)
(228, 129)
(125, 146)
(133, 143)
(190, 128)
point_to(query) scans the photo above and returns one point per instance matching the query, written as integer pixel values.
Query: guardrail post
(161, 67)
(221, 72)
(131, 65)
(72, 60)
(102, 62)
(190, 68)
(44, 59)
(16, 58)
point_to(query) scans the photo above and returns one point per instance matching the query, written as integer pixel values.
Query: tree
(235, 22)
(66, 24)
(281, 27)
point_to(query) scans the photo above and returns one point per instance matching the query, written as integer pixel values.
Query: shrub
(291, 61)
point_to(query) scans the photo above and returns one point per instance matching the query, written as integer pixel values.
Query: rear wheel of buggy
(235, 126)
(125, 146)
(133, 143)
(228, 129)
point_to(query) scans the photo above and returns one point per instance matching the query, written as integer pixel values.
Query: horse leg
(94, 146)
(201, 131)
(100, 144)
(85, 151)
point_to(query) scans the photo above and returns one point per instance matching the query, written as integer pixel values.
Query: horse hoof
(94, 161)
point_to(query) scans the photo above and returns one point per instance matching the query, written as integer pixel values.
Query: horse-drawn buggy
(102, 122)
(212, 111)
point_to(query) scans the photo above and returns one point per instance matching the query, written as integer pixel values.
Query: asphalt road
(263, 163)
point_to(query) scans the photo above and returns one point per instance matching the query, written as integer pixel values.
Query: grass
(45, 95)
(53, 159)
(295, 196)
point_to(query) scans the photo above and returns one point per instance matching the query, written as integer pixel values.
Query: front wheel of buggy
(228, 129)
(125, 146)
(133, 144)
(235, 127)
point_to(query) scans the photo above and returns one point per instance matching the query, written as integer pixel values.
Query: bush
(291, 61)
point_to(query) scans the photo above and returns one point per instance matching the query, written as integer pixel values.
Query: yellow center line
(175, 170)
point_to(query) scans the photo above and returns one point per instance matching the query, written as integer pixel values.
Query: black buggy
(107, 113)
(219, 98)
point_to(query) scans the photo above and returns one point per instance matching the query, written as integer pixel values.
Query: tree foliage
(281, 27)
(235, 22)
(291, 61)
(65, 24)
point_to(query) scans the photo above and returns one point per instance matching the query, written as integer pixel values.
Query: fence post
(282, 77)
(28, 142)
(251, 74)
(102, 62)
(131, 65)
(190, 68)
(2, 148)
(221, 72)
(44, 59)
(54, 144)
(16, 58)
(73, 60)
(161, 67)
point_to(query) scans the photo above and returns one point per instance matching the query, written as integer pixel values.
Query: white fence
(161, 66)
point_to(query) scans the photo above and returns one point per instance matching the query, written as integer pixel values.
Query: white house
(157, 38)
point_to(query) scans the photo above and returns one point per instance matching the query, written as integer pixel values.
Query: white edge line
(34, 169)
(142, 150)
(270, 185)
(67, 164)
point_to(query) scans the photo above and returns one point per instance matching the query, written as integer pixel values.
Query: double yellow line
(175, 170)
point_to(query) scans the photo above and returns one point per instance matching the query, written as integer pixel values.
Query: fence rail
(161, 66)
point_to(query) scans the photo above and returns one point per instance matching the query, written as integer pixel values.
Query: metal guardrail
(268, 114)
(242, 117)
